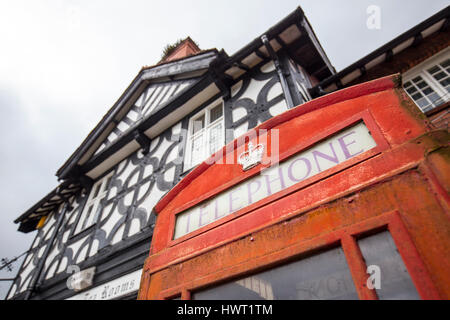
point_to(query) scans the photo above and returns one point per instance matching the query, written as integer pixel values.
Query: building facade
(171, 118)
(95, 230)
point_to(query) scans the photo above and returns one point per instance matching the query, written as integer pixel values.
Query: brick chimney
(186, 48)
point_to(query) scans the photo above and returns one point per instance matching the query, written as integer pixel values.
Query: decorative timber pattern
(255, 98)
(155, 96)
(137, 184)
(139, 181)
(30, 264)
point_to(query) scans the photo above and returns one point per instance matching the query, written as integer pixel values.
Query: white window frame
(203, 132)
(421, 70)
(90, 217)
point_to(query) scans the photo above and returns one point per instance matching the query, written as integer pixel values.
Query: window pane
(435, 99)
(198, 123)
(427, 90)
(380, 250)
(417, 96)
(439, 75)
(417, 80)
(433, 69)
(322, 276)
(422, 84)
(407, 84)
(445, 83)
(423, 103)
(215, 113)
(445, 63)
(215, 138)
(411, 90)
(197, 151)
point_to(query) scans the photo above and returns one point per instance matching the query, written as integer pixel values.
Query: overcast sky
(63, 64)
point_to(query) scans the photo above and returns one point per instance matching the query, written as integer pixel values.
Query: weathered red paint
(401, 185)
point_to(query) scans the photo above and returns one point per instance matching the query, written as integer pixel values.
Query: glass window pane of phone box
(321, 276)
(395, 282)
(324, 276)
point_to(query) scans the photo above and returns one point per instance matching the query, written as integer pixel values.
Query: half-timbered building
(94, 230)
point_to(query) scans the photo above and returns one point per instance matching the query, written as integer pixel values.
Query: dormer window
(92, 208)
(206, 134)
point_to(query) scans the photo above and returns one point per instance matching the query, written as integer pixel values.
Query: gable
(194, 66)
(154, 97)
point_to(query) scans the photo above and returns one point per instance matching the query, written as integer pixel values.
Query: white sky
(63, 64)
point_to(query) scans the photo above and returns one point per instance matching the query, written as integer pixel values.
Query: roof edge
(442, 14)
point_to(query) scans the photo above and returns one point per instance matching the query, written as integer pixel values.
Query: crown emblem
(252, 157)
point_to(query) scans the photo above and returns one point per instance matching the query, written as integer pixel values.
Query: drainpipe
(34, 282)
(281, 76)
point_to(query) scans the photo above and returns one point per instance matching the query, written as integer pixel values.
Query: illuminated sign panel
(324, 155)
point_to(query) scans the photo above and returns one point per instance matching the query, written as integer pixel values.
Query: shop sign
(114, 289)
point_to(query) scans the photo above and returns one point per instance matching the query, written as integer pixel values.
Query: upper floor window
(92, 208)
(206, 134)
(428, 84)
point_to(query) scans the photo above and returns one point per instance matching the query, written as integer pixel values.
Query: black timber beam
(143, 141)
(222, 80)
(281, 75)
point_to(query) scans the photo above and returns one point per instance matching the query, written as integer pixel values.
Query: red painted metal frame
(394, 224)
(324, 210)
(347, 238)
(364, 116)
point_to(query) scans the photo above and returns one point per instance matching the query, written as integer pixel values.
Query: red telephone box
(343, 197)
